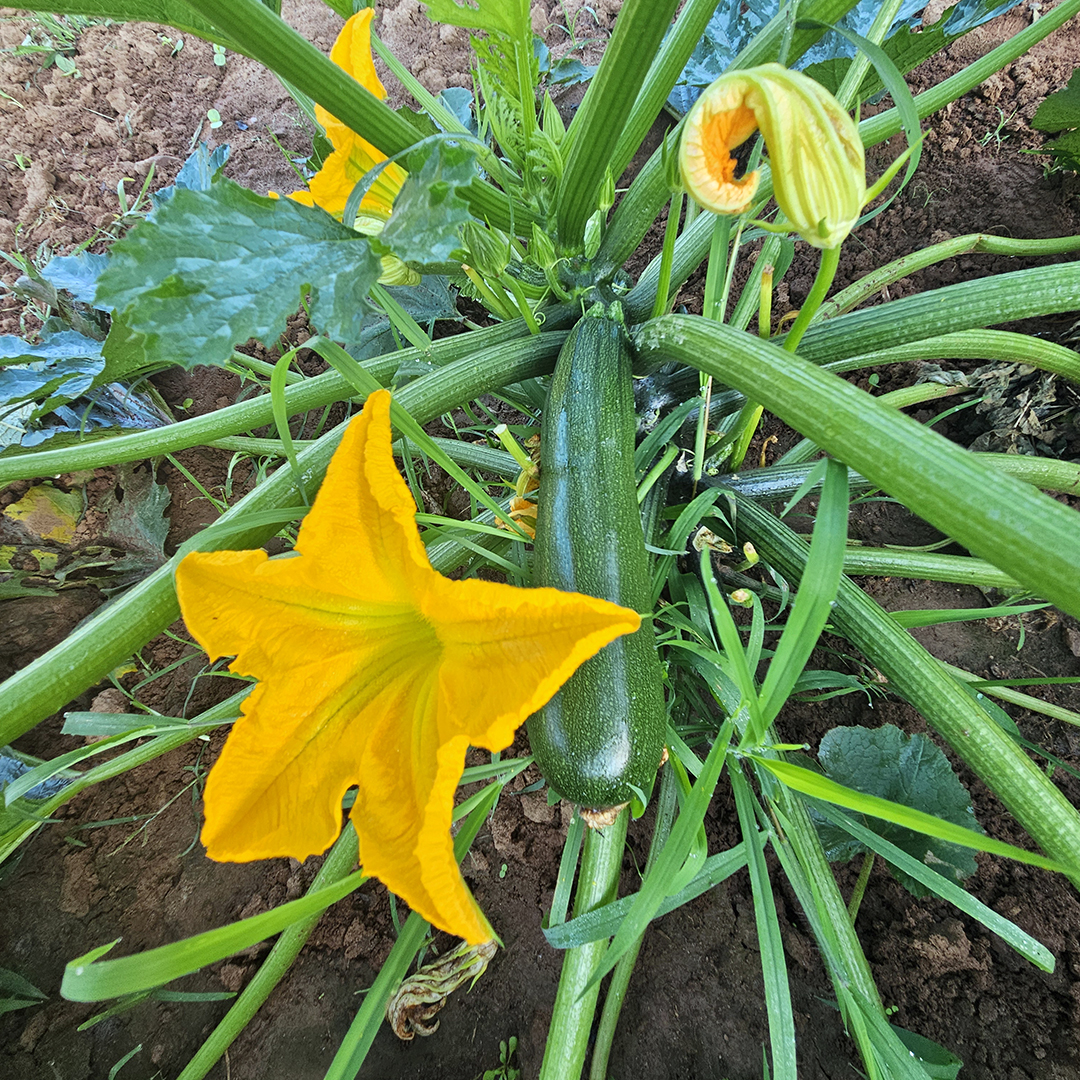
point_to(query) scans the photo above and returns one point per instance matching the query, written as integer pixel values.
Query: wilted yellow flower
(816, 156)
(354, 156)
(374, 671)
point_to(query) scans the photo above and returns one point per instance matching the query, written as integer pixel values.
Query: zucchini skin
(602, 736)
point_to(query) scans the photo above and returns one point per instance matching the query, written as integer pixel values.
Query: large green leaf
(60, 368)
(210, 269)
(1062, 109)
(906, 769)
(429, 211)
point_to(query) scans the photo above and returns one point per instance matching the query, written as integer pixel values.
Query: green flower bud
(542, 249)
(489, 249)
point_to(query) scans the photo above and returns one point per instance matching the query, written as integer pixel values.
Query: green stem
(1025, 533)
(717, 268)
(663, 74)
(575, 1000)
(859, 891)
(872, 131)
(594, 132)
(271, 41)
(742, 432)
(314, 393)
(337, 864)
(970, 344)
(671, 231)
(620, 978)
(926, 566)
(860, 63)
(921, 680)
(973, 243)
(881, 127)
(1016, 697)
(830, 260)
(369, 1018)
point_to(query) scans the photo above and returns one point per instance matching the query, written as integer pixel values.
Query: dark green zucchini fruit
(598, 742)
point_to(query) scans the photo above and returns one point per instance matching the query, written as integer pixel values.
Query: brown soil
(124, 860)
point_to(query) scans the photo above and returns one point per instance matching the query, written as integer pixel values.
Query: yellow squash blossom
(354, 156)
(815, 153)
(374, 671)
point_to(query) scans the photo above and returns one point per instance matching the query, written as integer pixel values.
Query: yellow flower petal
(717, 124)
(816, 155)
(374, 671)
(332, 185)
(352, 53)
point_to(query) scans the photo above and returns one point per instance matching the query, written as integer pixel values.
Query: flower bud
(553, 122)
(489, 249)
(542, 249)
(816, 155)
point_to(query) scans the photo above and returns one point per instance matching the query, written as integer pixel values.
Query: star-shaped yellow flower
(376, 671)
(353, 156)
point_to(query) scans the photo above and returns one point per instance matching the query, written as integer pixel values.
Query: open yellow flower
(815, 153)
(375, 671)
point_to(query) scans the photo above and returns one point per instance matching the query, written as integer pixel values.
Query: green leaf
(905, 769)
(1008, 931)
(815, 598)
(1060, 110)
(910, 619)
(654, 888)
(937, 1062)
(817, 786)
(210, 269)
(136, 521)
(770, 944)
(604, 922)
(62, 367)
(85, 980)
(196, 174)
(496, 16)
(128, 353)
(427, 303)
(17, 992)
(77, 273)
(1066, 149)
(428, 212)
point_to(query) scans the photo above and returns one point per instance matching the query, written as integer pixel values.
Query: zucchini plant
(627, 643)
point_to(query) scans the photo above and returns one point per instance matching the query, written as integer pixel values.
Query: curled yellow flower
(354, 156)
(374, 671)
(815, 153)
